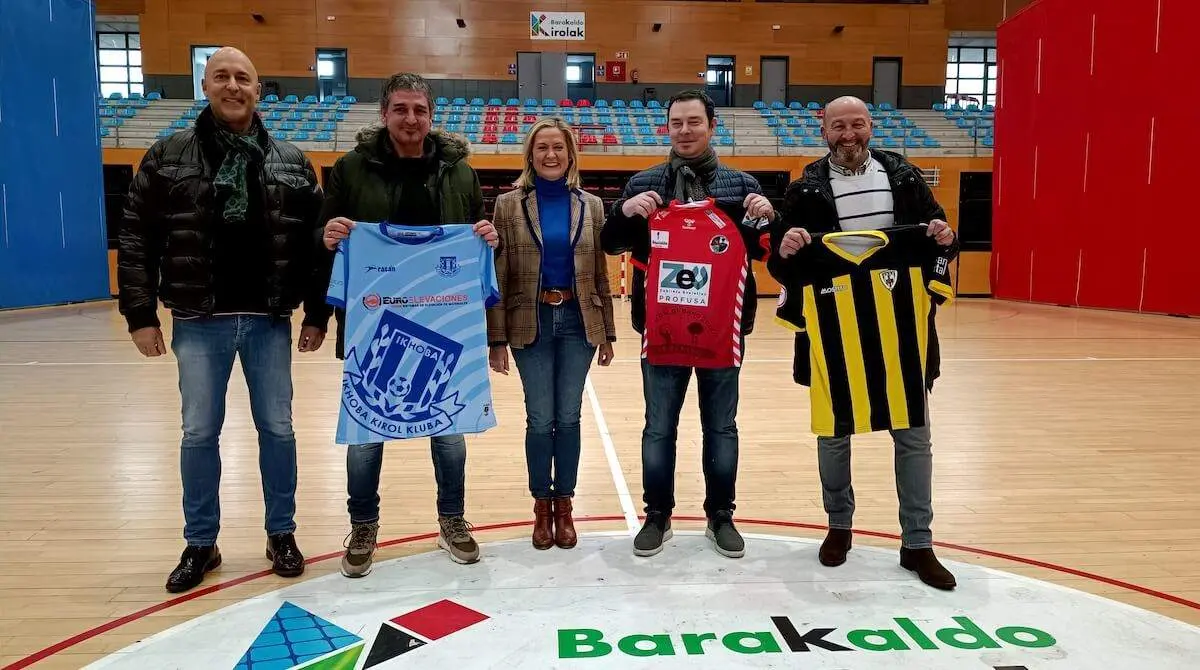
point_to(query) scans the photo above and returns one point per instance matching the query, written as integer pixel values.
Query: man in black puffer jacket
(219, 224)
(692, 173)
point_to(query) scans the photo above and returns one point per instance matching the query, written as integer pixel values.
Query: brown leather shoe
(543, 524)
(928, 568)
(835, 547)
(564, 525)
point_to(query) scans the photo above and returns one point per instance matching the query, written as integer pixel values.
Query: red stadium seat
(611, 139)
(489, 138)
(565, 103)
(584, 103)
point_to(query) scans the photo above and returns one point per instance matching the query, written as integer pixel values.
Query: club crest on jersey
(683, 283)
(398, 388)
(889, 277)
(719, 244)
(448, 266)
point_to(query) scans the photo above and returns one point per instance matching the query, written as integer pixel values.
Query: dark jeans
(553, 372)
(364, 462)
(664, 388)
(205, 350)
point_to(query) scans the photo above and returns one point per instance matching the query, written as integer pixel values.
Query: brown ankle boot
(564, 525)
(543, 524)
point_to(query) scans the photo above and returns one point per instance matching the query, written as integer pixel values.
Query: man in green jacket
(405, 172)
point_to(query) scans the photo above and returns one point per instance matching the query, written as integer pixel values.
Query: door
(200, 56)
(332, 77)
(719, 80)
(553, 76)
(885, 87)
(529, 75)
(581, 76)
(774, 72)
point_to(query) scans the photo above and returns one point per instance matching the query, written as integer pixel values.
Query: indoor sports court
(1065, 441)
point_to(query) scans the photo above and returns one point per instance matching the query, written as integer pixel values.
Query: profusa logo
(906, 636)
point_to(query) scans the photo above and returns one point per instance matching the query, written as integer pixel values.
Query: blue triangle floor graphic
(292, 637)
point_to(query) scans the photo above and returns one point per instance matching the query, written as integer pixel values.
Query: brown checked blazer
(514, 319)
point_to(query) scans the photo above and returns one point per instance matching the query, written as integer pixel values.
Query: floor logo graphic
(965, 634)
(398, 387)
(296, 639)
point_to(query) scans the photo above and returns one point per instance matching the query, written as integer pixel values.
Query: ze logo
(889, 277)
(684, 283)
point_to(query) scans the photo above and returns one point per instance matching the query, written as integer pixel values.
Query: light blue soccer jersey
(416, 331)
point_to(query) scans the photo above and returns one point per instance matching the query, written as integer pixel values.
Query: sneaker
(456, 539)
(655, 531)
(360, 549)
(193, 565)
(725, 538)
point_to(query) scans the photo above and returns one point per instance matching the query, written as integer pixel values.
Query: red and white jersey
(695, 285)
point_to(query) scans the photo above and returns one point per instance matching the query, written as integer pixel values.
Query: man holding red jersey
(691, 173)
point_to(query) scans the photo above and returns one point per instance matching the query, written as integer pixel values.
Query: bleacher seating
(602, 125)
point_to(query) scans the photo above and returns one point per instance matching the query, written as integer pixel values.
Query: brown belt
(557, 296)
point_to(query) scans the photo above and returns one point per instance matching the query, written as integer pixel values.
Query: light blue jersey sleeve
(488, 279)
(336, 294)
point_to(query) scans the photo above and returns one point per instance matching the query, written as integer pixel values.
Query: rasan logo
(906, 636)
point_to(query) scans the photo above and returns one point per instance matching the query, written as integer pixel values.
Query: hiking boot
(456, 539)
(926, 565)
(655, 531)
(286, 559)
(835, 547)
(194, 563)
(564, 526)
(543, 523)
(725, 538)
(360, 549)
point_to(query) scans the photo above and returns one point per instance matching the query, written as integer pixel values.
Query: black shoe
(286, 559)
(926, 565)
(835, 547)
(193, 565)
(655, 531)
(725, 538)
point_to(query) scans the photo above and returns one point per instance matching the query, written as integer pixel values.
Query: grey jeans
(914, 483)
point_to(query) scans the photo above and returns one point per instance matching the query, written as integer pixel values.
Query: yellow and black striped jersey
(863, 299)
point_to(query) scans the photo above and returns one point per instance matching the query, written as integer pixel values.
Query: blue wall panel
(52, 232)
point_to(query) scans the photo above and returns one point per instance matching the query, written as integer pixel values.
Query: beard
(848, 154)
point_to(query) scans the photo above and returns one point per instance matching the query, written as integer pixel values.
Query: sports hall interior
(1066, 442)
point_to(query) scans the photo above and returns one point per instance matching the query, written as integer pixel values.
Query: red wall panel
(1095, 134)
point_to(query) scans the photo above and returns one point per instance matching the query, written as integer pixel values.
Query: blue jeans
(205, 349)
(553, 371)
(664, 388)
(364, 462)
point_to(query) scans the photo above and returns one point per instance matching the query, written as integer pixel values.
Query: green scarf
(691, 174)
(231, 182)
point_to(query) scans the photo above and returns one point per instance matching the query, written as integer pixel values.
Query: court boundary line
(610, 454)
(86, 635)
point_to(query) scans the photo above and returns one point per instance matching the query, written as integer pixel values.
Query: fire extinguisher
(634, 75)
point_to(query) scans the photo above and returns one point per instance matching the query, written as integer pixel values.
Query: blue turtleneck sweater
(554, 214)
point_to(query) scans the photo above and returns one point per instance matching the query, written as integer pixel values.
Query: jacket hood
(447, 147)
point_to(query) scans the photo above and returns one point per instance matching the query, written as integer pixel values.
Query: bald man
(857, 188)
(219, 225)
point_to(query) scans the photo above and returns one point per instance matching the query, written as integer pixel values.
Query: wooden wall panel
(980, 14)
(383, 36)
(120, 7)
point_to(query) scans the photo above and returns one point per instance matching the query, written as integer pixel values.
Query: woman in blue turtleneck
(555, 313)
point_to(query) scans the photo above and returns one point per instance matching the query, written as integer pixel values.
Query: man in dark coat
(693, 172)
(218, 225)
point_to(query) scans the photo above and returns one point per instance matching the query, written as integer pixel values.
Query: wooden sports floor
(1061, 436)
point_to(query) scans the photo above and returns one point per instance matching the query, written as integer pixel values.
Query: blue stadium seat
(510, 138)
(600, 102)
(788, 142)
(726, 141)
(324, 136)
(887, 107)
(162, 134)
(179, 124)
(811, 142)
(349, 100)
(989, 108)
(441, 101)
(310, 100)
(531, 102)
(477, 101)
(912, 143)
(459, 102)
(279, 135)
(813, 105)
(776, 104)
(292, 99)
(512, 102)
(114, 96)
(636, 104)
(939, 107)
(988, 142)
(316, 116)
(648, 141)
(309, 126)
(654, 104)
(154, 95)
(619, 103)
(931, 143)
(891, 143)
(287, 125)
(759, 104)
(795, 105)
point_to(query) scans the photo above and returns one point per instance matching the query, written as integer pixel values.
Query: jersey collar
(828, 240)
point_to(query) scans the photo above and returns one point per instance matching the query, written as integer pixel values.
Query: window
(971, 71)
(120, 59)
(574, 74)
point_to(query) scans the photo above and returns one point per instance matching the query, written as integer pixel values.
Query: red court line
(199, 592)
